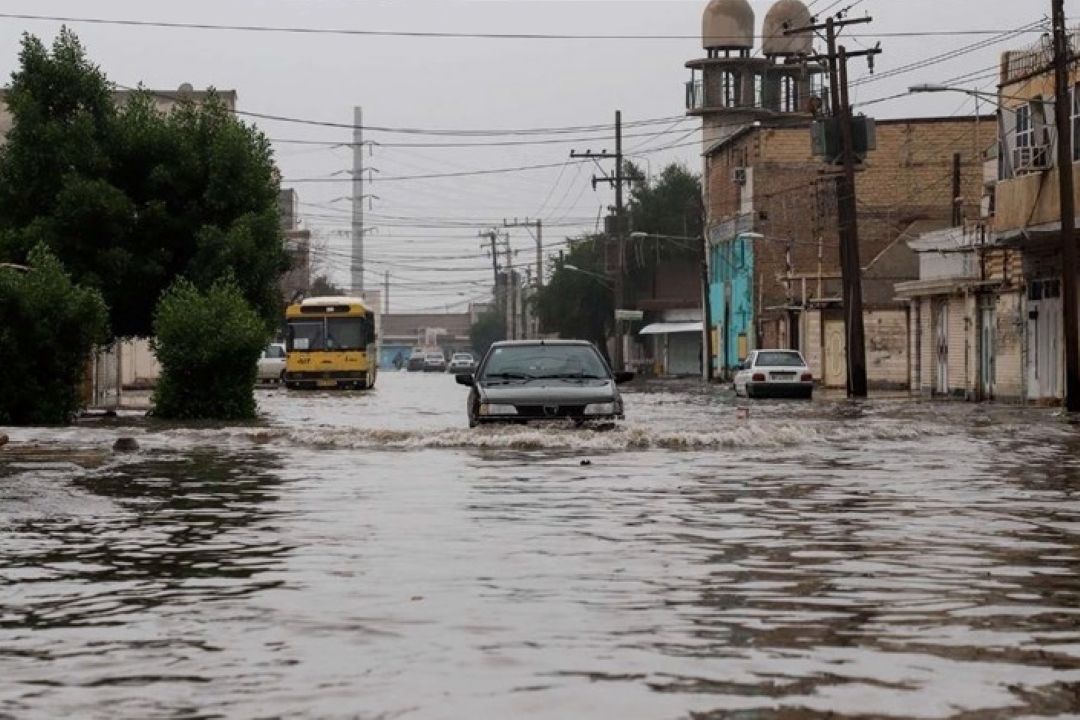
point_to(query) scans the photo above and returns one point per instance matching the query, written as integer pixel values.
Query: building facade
(774, 242)
(1027, 208)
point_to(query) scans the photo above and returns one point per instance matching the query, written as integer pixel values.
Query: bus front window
(305, 336)
(347, 333)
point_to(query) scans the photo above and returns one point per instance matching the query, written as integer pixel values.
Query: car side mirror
(465, 379)
(623, 377)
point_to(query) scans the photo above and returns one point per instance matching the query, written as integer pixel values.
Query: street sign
(630, 315)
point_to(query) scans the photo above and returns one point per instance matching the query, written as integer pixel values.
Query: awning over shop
(671, 328)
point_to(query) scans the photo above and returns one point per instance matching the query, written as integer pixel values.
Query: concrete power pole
(1062, 108)
(617, 180)
(357, 266)
(511, 289)
(536, 229)
(386, 293)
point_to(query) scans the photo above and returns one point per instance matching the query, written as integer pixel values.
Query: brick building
(771, 203)
(772, 228)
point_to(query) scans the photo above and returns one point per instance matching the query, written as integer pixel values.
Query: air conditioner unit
(738, 175)
(1035, 158)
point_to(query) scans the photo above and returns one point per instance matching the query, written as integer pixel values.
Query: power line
(300, 30)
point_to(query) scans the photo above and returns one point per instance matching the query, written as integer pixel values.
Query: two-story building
(774, 270)
(1027, 207)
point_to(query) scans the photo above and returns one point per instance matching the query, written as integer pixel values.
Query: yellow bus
(331, 342)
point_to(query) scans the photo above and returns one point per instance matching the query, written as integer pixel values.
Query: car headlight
(603, 409)
(490, 409)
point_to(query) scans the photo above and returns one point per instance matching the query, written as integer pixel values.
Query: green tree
(48, 329)
(130, 197)
(322, 286)
(208, 344)
(490, 327)
(578, 303)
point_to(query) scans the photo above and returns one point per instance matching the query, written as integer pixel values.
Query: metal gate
(987, 353)
(835, 348)
(941, 348)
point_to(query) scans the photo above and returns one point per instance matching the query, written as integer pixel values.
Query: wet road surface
(367, 555)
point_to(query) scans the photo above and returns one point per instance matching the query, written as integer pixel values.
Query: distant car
(415, 362)
(461, 363)
(434, 362)
(774, 374)
(526, 380)
(272, 363)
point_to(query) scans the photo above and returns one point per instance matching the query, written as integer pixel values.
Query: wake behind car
(527, 380)
(774, 374)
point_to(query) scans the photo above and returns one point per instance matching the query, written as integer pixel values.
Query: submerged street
(367, 555)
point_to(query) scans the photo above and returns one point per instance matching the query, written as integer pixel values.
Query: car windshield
(529, 362)
(779, 359)
(434, 356)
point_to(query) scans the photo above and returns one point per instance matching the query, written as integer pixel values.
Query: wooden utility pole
(847, 207)
(386, 293)
(1062, 107)
(957, 203)
(617, 179)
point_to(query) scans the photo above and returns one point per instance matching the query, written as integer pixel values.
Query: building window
(789, 94)
(1025, 132)
(730, 89)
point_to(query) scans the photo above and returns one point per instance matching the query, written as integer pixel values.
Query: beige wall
(887, 349)
(1010, 322)
(1030, 200)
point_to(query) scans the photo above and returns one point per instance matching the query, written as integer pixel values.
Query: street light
(596, 276)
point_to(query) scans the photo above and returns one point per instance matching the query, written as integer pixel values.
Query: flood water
(369, 556)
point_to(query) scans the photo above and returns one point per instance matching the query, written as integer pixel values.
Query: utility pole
(536, 229)
(957, 207)
(847, 207)
(1062, 107)
(511, 288)
(386, 293)
(492, 238)
(357, 277)
(617, 180)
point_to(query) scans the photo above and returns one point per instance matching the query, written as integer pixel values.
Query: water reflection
(349, 558)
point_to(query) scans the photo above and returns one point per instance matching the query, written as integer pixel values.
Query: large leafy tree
(130, 197)
(578, 301)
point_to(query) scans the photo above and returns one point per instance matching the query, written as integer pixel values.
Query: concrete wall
(887, 348)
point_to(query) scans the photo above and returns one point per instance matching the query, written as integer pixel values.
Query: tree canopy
(130, 197)
(578, 302)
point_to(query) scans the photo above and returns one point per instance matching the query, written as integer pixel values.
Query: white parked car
(272, 363)
(461, 363)
(774, 373)
(434, 362)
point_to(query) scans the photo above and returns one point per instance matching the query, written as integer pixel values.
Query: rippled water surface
(367, 555)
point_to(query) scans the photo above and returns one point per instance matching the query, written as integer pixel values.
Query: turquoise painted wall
(731, 299)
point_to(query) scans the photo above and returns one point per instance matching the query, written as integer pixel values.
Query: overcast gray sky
(427, 229)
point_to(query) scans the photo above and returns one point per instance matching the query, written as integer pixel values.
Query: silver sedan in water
(523, 381)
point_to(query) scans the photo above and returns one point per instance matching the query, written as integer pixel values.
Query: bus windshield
(328, 334)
